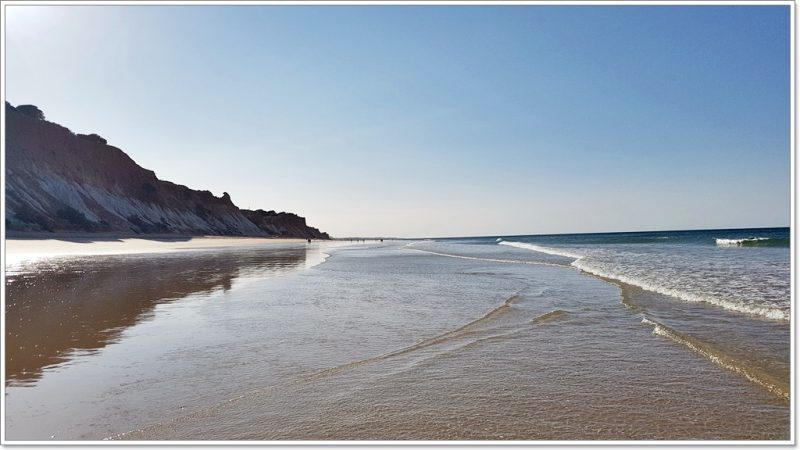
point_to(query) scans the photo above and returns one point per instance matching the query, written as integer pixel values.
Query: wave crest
(767, 311)
(584, 263)
(540, 249)
(752, 242)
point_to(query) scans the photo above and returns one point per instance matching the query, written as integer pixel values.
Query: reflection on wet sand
(79, 305)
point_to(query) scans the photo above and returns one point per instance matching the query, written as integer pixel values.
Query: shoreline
(114, 236)
(512, 319)
(776, 385)
(28, 249)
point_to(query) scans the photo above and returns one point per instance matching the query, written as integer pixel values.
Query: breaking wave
(752, 242)
(767, 311)
(584, 263)
(538, 248)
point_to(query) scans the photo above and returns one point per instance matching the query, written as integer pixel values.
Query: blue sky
(433, 120)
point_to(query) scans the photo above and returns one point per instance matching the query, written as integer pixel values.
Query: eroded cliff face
(57, 181)
(283, 224)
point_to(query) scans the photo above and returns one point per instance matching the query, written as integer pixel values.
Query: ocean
(676, 335)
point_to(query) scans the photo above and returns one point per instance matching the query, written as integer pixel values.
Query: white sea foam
(738, 242)
(538, 248)
(768, 311)
(633, 272)
(507, 261)
(647, 321)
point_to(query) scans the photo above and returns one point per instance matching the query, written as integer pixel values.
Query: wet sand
(378, 342)
(21, 248)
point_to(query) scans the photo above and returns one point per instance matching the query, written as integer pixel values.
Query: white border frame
(556, 444)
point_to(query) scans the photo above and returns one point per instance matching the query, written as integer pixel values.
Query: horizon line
(587, 232)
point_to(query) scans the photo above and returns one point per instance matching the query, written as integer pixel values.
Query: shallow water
(746, 271)
(434, 340)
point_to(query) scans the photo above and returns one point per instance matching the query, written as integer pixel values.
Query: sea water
(745, 270)
(526, 337)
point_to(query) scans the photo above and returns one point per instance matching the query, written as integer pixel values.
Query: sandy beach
(464, 340)
(541, 223)
(21, 250)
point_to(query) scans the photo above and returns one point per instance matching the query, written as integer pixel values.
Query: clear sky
(433, 120)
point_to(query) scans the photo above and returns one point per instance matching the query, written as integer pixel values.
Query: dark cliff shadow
(79, 305)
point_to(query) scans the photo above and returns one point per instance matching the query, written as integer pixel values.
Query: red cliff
(57, 181)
